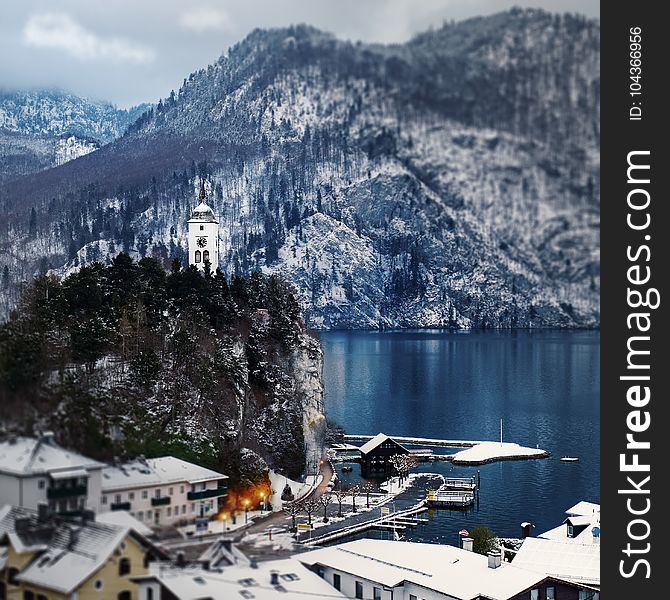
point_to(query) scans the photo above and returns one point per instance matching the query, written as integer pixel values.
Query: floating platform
(449, 498)
(569, 459)
(459, 483)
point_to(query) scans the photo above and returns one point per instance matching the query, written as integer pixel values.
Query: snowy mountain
(43, 129)
(448, 181)
(56, 113)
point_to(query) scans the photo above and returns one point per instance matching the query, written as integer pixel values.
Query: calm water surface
(544, 385)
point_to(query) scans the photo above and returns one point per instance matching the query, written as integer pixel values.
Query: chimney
(181, 560)
(494, 559)
(526, 529)
(468, 543)
(43, 512)
(274, 578)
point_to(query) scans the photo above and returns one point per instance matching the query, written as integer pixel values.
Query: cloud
(206, 19)
(62, 32)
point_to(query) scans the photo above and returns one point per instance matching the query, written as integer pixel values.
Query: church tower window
(205, 255)
(197, 256)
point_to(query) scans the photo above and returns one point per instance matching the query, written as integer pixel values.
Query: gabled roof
(376, 441)
(583, 509)
(33, 456)
(155, 471)
(295, 582)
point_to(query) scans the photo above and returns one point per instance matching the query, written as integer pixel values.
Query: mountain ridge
(460, 170)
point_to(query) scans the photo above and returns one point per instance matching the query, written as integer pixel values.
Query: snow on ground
(490, 451)
(299, 489)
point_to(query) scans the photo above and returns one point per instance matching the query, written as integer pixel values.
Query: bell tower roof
(203, 213)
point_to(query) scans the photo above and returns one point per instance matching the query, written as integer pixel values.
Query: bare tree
(309, 506)
(367, 488)
(325, 500)
(340, 495)
(353, 492)
(293, 509)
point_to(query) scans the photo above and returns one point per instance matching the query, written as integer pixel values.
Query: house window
(150, 594)
(359, 590)
(104, 500)
(41, 484)
(535, 594)
(98, 584)
(586, 595)
(202, 228)
(169, 511)
(571, 531)
(320, 571)
(205, 255)
(11, 576)
(412, 597)
(157, 493)
(551, 592)
(183, 509)
(28, 595)
(198, 256)
(125, 595)
(124, 566)
(170, 491)
(117, 498)
(145, 494)
(140, 515)
(41, 597)
(131, 495)
(148, 515)
(181, 489)
(377, 593)
(336, 581)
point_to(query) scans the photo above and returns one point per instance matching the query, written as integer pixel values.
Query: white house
(570, 551)
(37, 471)
(393, 570)
(284, 579)
(162, 491)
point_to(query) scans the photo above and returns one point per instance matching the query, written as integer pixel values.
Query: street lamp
(263, 501)
(246, 511)
(225, 521)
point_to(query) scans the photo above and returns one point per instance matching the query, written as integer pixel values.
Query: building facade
(162, 491)
(36, 471)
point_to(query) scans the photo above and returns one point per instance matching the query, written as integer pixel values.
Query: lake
(458, 385)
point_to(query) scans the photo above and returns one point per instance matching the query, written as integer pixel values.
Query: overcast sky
(131, 51)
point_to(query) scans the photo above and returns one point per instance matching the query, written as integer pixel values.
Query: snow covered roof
(9, 514)
(32, 456)
(446, 569)
(204, 213)
(584, 514)
(123, 518)
(583, 508)
(244, 581)
(376, 441)
(155, 471)
(72, 555)
(561, 558)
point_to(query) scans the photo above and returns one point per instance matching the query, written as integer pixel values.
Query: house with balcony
(162, 491)
(36, 471)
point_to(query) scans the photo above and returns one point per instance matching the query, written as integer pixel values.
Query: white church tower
(203, 234)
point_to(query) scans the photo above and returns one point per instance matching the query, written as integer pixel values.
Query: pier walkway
(408, 502)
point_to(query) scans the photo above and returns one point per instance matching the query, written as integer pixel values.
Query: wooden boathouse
(376, 454)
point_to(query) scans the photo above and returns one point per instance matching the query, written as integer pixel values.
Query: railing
(162, 501)
(211, 493)
(119, 506)
(56, 493)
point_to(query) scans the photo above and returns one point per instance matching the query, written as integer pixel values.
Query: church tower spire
(203, 234)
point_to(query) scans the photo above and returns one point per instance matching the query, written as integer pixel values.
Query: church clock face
(202, 242)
